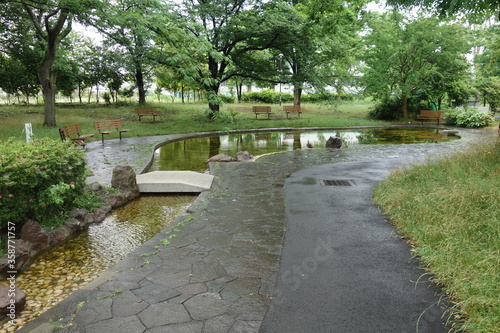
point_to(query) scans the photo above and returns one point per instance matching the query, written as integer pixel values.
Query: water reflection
(191, 154)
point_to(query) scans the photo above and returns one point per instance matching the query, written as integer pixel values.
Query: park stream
(56, 274)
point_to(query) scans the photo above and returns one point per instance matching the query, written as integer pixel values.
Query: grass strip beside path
(450, 210)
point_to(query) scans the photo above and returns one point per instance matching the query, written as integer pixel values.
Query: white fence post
(29, 131)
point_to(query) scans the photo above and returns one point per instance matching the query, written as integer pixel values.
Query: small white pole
(29, 131)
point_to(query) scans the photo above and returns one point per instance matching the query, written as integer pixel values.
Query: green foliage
(325, 98)
(266, 96)
(389, 109)
(471, 118)
(423, 56)
(448, 208)
(223, 116)
(226, 99)
(40, 180)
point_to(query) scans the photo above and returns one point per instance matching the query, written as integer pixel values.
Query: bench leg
(102, 135)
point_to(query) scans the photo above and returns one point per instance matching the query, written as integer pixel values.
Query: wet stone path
(216, 269)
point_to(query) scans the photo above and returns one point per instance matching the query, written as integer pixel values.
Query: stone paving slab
(220, 270)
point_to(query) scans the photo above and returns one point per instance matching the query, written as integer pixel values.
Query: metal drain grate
(337, 182)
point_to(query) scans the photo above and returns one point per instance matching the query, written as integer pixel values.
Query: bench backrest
(107, 124)
(261, 109)
(291, 108)
(431, 114)
(145, 109)
(72, 129)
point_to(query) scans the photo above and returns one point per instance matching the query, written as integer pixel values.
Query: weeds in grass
(449, 208)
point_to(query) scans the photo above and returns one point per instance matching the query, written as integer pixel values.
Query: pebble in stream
(56, 274)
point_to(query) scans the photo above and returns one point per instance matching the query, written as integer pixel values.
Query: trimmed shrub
(40, 180)
(471, 118)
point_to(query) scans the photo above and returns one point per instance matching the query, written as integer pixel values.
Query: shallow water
(54, 275)
(191, 154)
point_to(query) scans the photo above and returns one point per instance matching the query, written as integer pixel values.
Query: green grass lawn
(177, 118)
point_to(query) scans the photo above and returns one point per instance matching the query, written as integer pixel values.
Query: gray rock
(244, 156)
(22, 256)
(334, 142)
(12, 300)
(33, 232)
(221, 158)
(124, 180)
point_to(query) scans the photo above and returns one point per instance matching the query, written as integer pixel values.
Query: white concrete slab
(173, 182)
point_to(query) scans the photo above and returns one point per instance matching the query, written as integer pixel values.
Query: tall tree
(403, 55)
(50, 21)
(221, 31)
(130, 24)
(478, 8)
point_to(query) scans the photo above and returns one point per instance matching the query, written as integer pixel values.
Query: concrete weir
(173, 182)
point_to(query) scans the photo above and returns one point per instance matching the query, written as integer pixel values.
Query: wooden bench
(73, 132)
(292, 108)
(143, 111)
(262, 110)
(109, 126)
(430, 115)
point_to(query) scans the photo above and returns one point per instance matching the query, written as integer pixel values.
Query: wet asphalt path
(343, 267)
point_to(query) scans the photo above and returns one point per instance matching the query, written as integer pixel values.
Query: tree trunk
(405, 106)
(80, 93)
(53, 35)
(297, 95)
(239, 88)
(48, 88)
(139, 79)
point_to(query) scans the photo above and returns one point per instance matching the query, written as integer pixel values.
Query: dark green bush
(318, 98)
(40, 180)
(226, 99)
(391, 109)
(266, 96)
(471, 118)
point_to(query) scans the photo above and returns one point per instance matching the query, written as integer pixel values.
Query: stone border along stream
(215, 273)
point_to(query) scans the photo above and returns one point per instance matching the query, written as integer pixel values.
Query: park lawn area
(178, 118)
(449, 209)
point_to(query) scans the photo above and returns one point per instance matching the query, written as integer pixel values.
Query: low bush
(471, 118)
(392, 109)
(266, 96)
(226, 99)
(41, 180)
(326, 98)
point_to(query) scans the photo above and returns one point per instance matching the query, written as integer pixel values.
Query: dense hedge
(39, 180)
